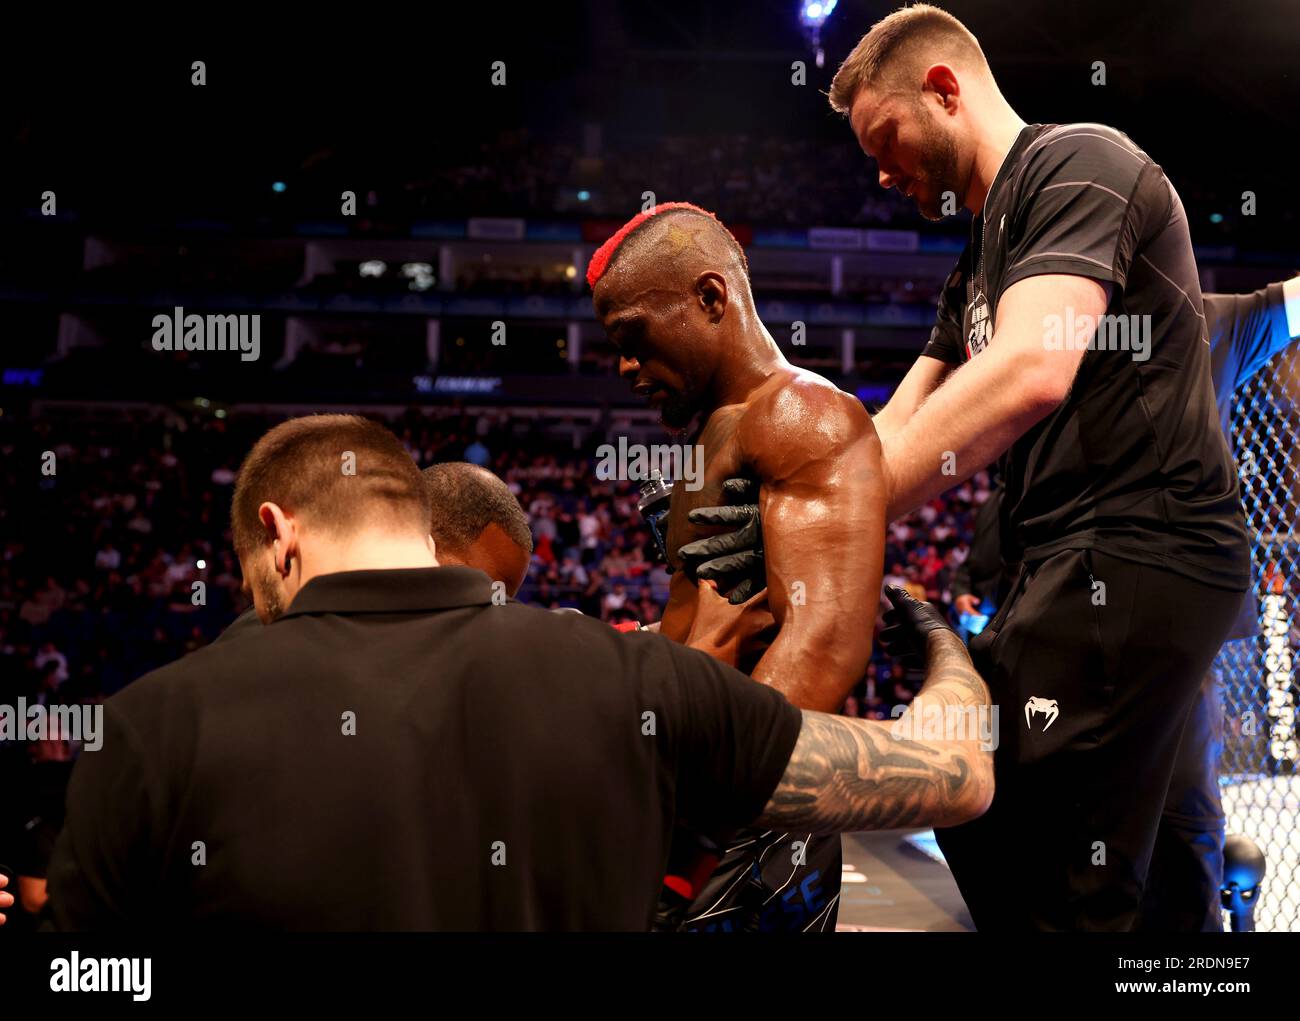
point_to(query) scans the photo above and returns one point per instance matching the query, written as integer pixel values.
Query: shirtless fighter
(671, 289)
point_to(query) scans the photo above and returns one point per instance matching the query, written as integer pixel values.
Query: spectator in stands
(477, 453)
(108, 558)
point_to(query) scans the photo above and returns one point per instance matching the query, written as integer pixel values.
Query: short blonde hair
(897, 45)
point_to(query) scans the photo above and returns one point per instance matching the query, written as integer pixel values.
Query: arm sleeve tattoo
(849, 774)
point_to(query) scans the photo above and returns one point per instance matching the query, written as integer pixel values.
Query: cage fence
(1258, 775)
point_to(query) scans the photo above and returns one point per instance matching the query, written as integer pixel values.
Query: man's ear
(281, 531)
(942, 81)
(711, 291)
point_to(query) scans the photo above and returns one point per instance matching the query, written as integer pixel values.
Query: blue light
(813, 13)
(584, 195)
(279, 187)
(1216, 217)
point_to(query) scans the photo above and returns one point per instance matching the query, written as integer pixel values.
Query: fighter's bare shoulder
(798, 415)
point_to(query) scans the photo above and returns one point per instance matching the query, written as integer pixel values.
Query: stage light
(812, 16)
(279, 187)
(373, 268)
(420, 275)
(1216, 217)
(200, 564)
(584, 195)
(570, 272)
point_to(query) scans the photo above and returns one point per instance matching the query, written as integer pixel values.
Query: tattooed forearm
(950, 676)
(854, 775)
(859, 774)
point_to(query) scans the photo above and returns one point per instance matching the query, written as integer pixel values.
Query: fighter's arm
(847, 774)
(822, 501)
(994, 399)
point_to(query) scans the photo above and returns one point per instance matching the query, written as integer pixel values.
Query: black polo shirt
(246, 621)
(1133, 460)
(398, 752)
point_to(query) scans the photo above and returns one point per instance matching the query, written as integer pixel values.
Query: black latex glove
(908, 626)
(733, 559)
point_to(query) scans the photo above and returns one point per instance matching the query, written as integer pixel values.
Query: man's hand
(909, 624)
(724, 632)
(6, 898)
(967, 603)
(734, 560)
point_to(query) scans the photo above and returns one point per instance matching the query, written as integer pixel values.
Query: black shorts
(765, 884)
(1094, 664)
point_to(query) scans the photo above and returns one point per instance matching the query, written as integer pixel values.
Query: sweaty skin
(676, 303)
(815, 453)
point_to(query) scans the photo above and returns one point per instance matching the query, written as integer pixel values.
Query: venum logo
(1046, 706)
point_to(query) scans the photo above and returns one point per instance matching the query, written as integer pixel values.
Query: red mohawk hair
(600, 261)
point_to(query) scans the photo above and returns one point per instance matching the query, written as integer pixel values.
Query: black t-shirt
(397, 752)
(1133, 461)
